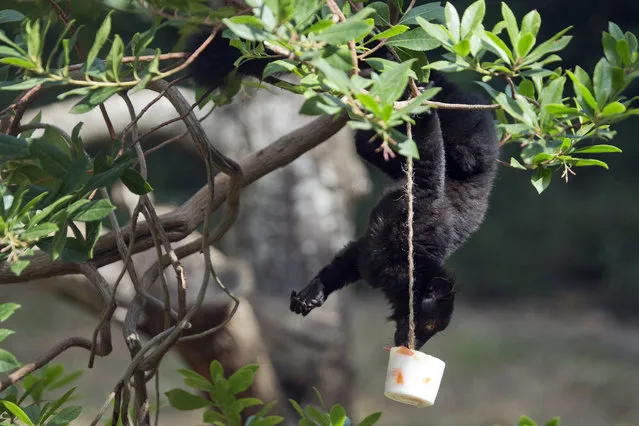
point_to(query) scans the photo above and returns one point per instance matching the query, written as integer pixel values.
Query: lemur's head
(433, 308)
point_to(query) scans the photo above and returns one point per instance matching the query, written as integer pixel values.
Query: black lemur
(453, 179)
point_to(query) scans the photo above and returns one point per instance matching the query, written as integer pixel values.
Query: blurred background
(549, 287)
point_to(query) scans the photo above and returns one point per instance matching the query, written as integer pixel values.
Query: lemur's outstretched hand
(311, 297)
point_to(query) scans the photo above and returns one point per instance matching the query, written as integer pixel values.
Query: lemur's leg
(469, 136)
(342, 270)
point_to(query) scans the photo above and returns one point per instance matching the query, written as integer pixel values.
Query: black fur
(452, 182)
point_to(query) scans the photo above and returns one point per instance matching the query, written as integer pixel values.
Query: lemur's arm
(343, 270)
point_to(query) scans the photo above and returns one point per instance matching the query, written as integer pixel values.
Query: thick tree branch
(185, 219)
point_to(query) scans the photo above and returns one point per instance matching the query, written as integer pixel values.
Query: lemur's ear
(429, 304)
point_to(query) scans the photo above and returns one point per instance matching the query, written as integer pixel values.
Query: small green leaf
(531, 23)
(338, 415)
(613, 108)
(53, 159)
(344, 31)
(317, 416)
(408, 148)
(10, 15)
(516, 164)
(211, 417)
(133, 180)
(114, 60)
(583, 91)
(586, 162)
(185, 401)
(597, 149)
(8, 362)
(12, 147)
(24, 63)
(391, 32)
(553, 422)
(416, 39)
(525, 44)
(57, 245)
(623, 49)
(39, 231)
(242, 379)
(100, 38)
(526, 421)
(371, 419)
(472, 18)
(452, 21)
(279, 66)
(391, 83)
(215, 369)
(19, 266)
(93, 99)
(4, 333)
(8, 309)
(435, 31)
(541, 179)
(17, 411)
(94, 210)
(511, 24)
(246, 27)
(602, 82)
(497, 46)
(429, 11)
(66, 415)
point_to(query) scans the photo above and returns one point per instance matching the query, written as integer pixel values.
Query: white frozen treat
(413, 377)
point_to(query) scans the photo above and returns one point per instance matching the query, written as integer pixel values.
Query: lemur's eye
(430, 326)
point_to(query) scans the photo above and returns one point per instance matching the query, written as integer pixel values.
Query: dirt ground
(501, 362)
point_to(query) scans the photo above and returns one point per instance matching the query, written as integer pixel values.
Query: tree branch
(185, 219)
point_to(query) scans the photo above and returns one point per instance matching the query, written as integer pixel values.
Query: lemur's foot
(311, 297)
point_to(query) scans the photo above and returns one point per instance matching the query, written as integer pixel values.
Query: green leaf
(4, 333)
(8, 309)
(472, 18)
(511, 24)
(369, 103)
(613, 108)
(408, 148)
(602, 82)
(17, 411)
(583, 91)
(297, 407)
(497, 46)
(338, 415)
(94, 98)
(391, 83)
(317, 416)
(525, 44)
(336, 79)
(371, 419)
(344, 32)
(12, 147)
(586, 162)
(429, 12)
(541, 179)
(242, 379)
(526, 421)
(216, 370)
(100, 38)
(8, 362)
(59, 239)
(452, 21)
(415, 39)
(133, 180)
(93, 230)
(389, 33)
(39, 231)
(531, 23)
(56, 404)
(94, 210)
(623, 49)
(10, 15)
(435, 31)
(268, 421)
(279, 66)
(553, 422)
(114, 60)
(246, 27)
(596, 149)
(516, 164)
(320, 104)
(195, 380)
(53, 160)
(44, 213)
(66, 415)
(185, 401)
(24, 63)
(212, 416)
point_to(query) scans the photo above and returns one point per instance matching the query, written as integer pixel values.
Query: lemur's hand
(311, 297)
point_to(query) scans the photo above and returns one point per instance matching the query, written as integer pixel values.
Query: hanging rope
(411, 264)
